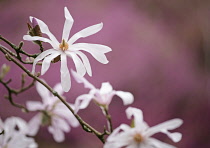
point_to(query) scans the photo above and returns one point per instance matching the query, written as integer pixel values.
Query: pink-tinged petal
(78, 63)
(65, 76)
(137, 114)
(81, 79)
(57, 133)
(58, 89)
(97, 47)
(44, 29)
(125, 96)
(47, 60)
(33, 124)
(106, 88)
(96, 53)
(40, 57)
(61, 124)
(85, 62)
(82, 102)
(86, 32)
(34, 105)
(35, 38)
(11, 123)
(43, 92)
(67, 25)
(164, 127)
(158, 144)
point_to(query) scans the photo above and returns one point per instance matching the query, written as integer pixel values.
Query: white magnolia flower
(13, 134)
(102, 96)
(68, 47)
(139, 136)
(54, 113)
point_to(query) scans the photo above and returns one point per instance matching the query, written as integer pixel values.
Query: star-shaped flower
(102, 96)
(68, 47)
(54, 114)
(139, 136)
(14, 134)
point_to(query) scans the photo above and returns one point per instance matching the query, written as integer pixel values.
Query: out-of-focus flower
(102, 96)
(14, 134)
(139, 136)
(53, 113)
(69, 48)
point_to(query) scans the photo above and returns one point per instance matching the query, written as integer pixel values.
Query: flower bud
(4, 70)
(34, 30)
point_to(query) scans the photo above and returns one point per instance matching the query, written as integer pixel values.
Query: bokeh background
(161, 54)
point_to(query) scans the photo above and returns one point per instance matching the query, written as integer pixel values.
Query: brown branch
(84, 125)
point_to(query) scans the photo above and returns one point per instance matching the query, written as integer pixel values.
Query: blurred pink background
(161, 54)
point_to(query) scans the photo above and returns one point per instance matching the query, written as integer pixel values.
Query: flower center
(138, 138)
(64, 45)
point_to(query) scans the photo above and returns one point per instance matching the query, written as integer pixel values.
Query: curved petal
(44, 29)
(65, 76)
(34, 105)
(85, 32)
(67, 25)
(82, 102)
(164, 127)
(58, 89)
(98, 47)
(46, 62)
(81, 79)
(78, 63)
(137, 114)
(35, 38)
(57, 133)
(85, 62)
(62, 124)
(40, 57)
(34, 124)
(97, 54)
(125, 96)
(106, 88)
(43, 92)
(158, 144)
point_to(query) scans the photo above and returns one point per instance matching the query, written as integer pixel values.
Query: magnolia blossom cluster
(53, 114)
(14, 134)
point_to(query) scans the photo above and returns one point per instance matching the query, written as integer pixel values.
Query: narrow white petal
(65, 76)
(57, 133)
(78, 63)
(47, 60)
(62, 124)
(125, 96)
(40, 57)
(98, 47)
(44, 29)
(35, 38)
(58, 89)
(137, 114)
(43, 92)
(81, 79)
(106, 88)
(175, 137)
(34, 124)
(85, 62)
(82, 102)
(97, 54)
(67, 25)
(34, 105)
(168, 125)
(158, 144)
(86, 32)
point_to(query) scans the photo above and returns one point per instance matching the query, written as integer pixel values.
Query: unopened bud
(4, 70)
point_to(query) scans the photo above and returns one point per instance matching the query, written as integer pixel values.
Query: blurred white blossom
(53, 113)
(102, 96)
(139, 136)
(68, 47)
(14, 134)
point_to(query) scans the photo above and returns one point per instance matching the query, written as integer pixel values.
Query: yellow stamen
(138, 138)
(63, 45)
